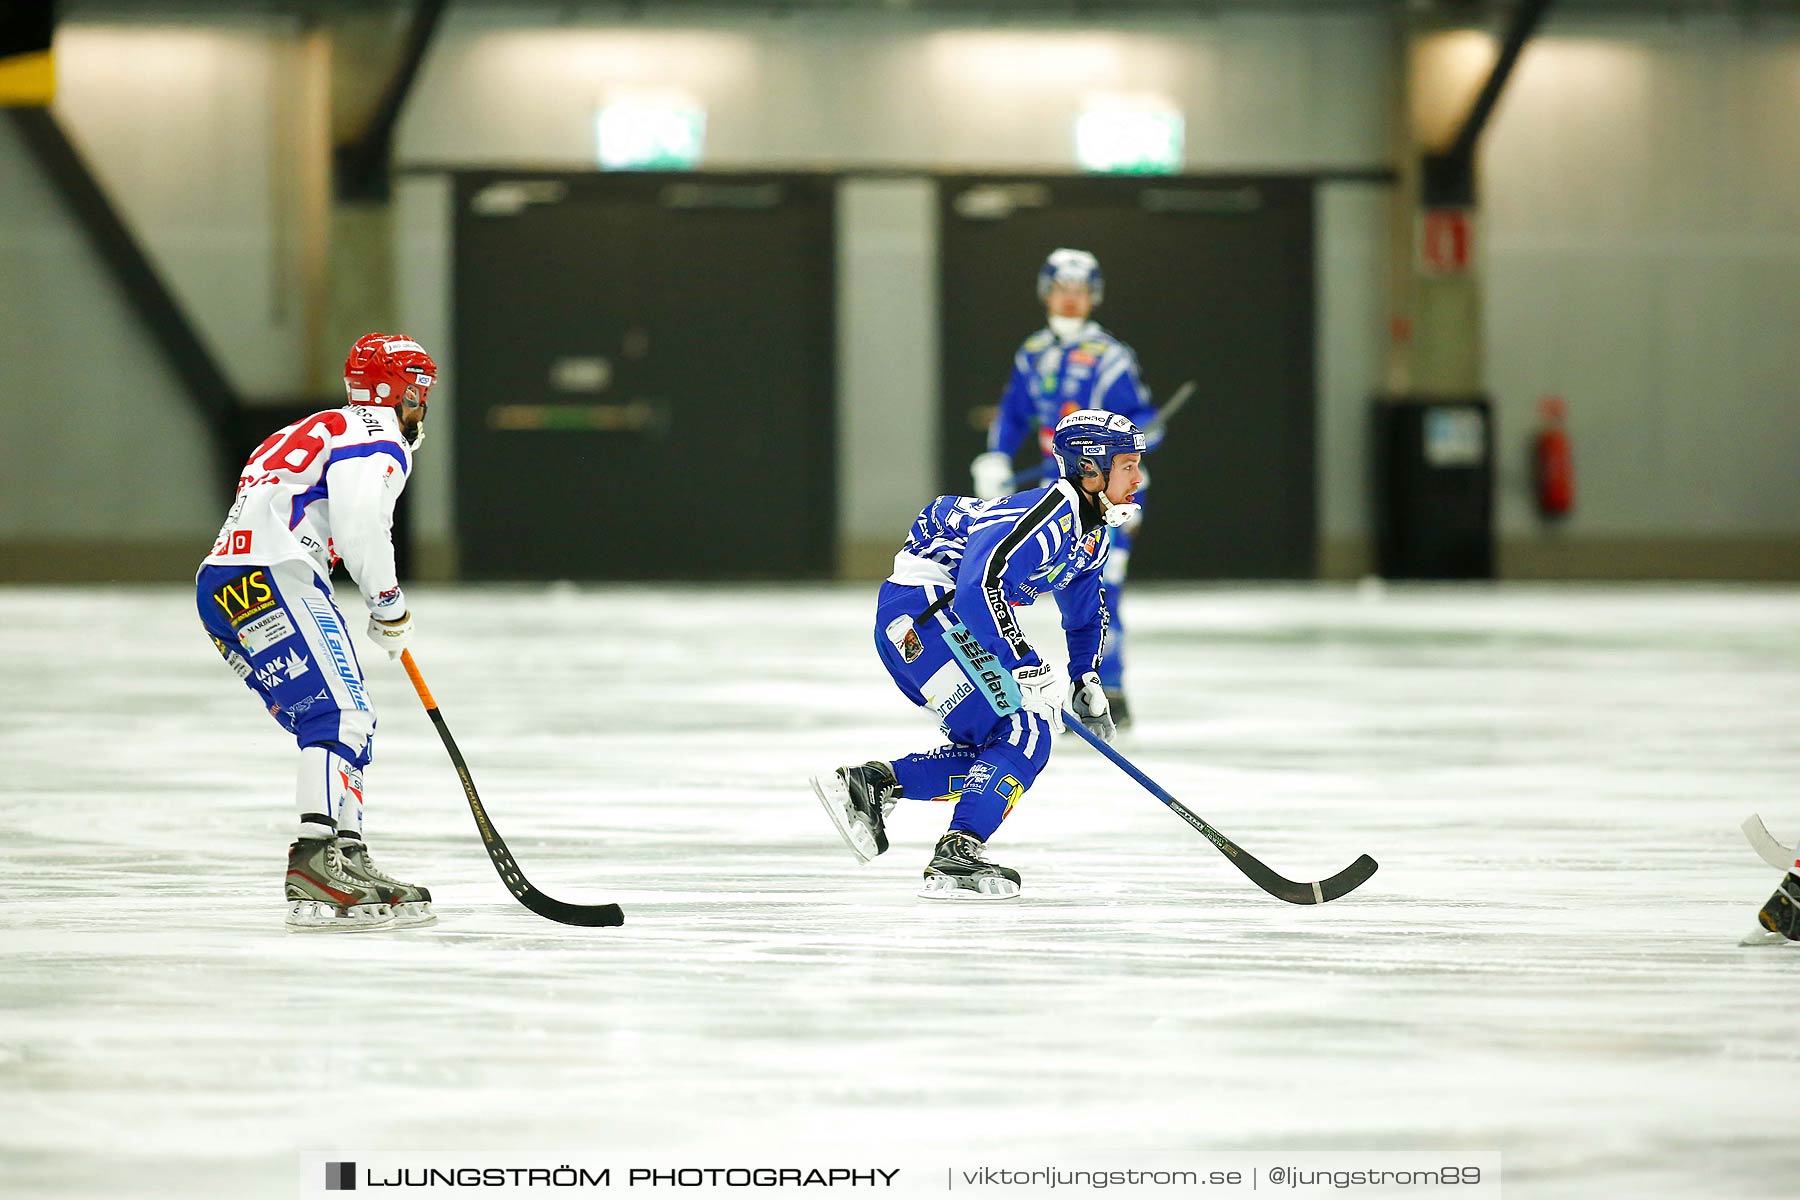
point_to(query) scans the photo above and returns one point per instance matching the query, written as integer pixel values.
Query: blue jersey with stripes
(1001, 553)
(1052, 378)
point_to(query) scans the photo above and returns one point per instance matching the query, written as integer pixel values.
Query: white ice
(1545, 964)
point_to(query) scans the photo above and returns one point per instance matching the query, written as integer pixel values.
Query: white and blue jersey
(317, 492)
(1052, 378)
(946, 632)
(1007, 552)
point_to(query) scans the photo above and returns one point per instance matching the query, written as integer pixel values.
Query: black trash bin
(1434, 487)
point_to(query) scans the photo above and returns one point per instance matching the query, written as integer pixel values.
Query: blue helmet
(1096, 435)
(1076, 268)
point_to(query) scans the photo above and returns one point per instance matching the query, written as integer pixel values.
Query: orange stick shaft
(418, 680)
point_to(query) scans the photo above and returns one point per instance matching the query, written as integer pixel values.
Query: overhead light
(641, 136)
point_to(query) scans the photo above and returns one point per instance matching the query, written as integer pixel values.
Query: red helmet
(385, 368)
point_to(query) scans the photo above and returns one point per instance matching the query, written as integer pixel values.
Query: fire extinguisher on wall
(1552, 460)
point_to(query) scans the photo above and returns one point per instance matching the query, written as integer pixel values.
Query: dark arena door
(644, 376)
(1206, 279)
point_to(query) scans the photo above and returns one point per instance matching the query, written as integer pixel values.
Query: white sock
(328, 793)
(348, 781)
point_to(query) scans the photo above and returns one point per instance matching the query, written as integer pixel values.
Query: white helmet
(1076, 268)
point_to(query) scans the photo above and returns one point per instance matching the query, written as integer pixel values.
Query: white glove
(393, 635)
(1088, 699)
(993, 472)
(1040, 692)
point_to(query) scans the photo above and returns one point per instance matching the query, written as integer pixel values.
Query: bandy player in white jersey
(317, 492)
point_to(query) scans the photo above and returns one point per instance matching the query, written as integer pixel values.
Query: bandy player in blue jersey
(946, 631)
(319, 492)
(1069, 365)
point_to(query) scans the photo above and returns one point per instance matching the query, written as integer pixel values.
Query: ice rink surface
(1545, 965)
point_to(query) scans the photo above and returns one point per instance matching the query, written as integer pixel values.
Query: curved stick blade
(588, 916)
(1348, 879)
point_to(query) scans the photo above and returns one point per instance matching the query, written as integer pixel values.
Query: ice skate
(322, 895)
(1779, 920)
(411, 903)
(959, 870)
(858, 800)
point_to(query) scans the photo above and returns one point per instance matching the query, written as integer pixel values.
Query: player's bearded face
(412, 416)
(1126, 476)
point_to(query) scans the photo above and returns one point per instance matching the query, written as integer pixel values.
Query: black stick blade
(1348, 879)
(1283, 888)
(587, 915)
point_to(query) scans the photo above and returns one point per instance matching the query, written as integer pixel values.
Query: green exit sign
(650, 137)
(1129, 142)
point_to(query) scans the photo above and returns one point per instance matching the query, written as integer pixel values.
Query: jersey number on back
(298, 450)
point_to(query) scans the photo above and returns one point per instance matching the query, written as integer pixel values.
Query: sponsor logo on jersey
(905, 638)
(240, 666)
(337, 646)
(1012, 789)
(1083, 357)
(240, 541)
(983, 669)
(1067, 522)
(977, 778)
(268, 677)
(1001, 608)
(266, 631)
(946, 688)
(300, 706)
(245, 598)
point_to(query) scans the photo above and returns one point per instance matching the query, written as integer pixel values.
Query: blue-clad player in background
(946, 631)
(1070, 365)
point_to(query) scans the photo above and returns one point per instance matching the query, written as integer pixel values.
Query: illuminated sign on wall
(639, 136)
(1132, 141)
